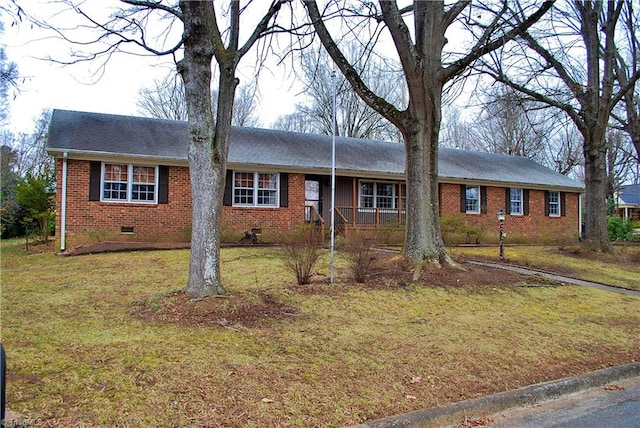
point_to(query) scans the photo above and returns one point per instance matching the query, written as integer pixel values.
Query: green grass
(78, 356)
(621, 269)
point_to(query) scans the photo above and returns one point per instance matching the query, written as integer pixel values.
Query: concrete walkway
(558, 278)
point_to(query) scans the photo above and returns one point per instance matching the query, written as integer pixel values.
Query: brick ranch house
(127, 179)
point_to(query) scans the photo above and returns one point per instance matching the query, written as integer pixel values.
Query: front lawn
(108, 339)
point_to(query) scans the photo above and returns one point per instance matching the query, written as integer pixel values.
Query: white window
(554, 204)
(515, 201)
(129, 183)
(473, 199)
(376, 194)
(255, 189)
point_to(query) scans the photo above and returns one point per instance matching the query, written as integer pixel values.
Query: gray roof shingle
(96, 135)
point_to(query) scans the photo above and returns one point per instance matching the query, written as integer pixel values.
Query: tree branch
(479, 50)
(454, 11)
(386, 109)
(263, 26)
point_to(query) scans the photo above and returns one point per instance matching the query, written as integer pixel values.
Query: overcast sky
(47, 85)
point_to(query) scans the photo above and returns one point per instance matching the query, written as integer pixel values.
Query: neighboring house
(127, 178)
(628, 202)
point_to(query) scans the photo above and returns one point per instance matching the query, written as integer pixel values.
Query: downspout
(63, 204)
(580, 216)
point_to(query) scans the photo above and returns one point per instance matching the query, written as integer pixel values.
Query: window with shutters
(129, 183)
(255, 189)
(515, 201)
(553, 201)
(473, 200)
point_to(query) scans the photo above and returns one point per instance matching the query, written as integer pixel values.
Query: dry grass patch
(109, 340)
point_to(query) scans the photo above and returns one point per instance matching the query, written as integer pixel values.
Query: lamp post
(501, 217)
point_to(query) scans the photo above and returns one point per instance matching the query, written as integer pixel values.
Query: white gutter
(580, 216)
(63, 207)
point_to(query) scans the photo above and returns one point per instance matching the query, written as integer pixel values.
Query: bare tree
(191, 28)
(244, 107)
(569, 63)
(427, 67)
(456, 132)
(354, 118)
(563, 153)
(511, 125)
(621, 160)
(8, 80)
(27, 150)
(626, 67)
(167, 100)
(294, 122)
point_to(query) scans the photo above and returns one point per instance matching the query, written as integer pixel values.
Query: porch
(349, 219)
(360, 203)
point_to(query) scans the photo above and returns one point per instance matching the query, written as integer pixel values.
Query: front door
(313, 198)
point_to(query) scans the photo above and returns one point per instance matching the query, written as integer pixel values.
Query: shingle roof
(96, 135)
(630, 194)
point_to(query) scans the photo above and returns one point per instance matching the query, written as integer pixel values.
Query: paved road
(614, 406)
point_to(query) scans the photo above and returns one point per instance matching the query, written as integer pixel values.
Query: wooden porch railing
(312, 216)
(349, 218)
(370, 217)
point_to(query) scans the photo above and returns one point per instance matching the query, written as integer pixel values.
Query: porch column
(354, 196)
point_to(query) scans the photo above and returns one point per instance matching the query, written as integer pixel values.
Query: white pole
(63, 205)
(333, 175)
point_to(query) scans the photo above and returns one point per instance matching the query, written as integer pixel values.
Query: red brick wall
(272, 221)
(92, 221)
(533, 227)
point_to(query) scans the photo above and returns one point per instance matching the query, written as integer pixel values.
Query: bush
(34, 194)
(301, 250)
(620, 230)
(359, 254)
(456, 230)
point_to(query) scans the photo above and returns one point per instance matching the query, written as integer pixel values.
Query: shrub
(301, 252)
(620, 229)
(359, 254)
(456, 230)
(34, 194)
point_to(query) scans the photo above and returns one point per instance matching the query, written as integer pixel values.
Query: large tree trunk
(208, 148)
(421, 131)
(596, 234)
(423, 240)
(595, 110)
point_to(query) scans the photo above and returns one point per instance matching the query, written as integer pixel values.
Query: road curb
(526, 396)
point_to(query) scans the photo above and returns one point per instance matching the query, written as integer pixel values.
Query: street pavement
(612, 397)
(616, 405)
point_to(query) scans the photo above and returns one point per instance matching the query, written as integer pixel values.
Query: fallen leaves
(612, 387)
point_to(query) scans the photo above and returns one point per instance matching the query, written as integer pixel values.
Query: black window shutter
(284, 189)
(563, 204)
(463, 198)
(507, 200)
(227, 200)
(483, 199)
(525, 201)
(163, 184)
(546, 203)
(95, 170)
